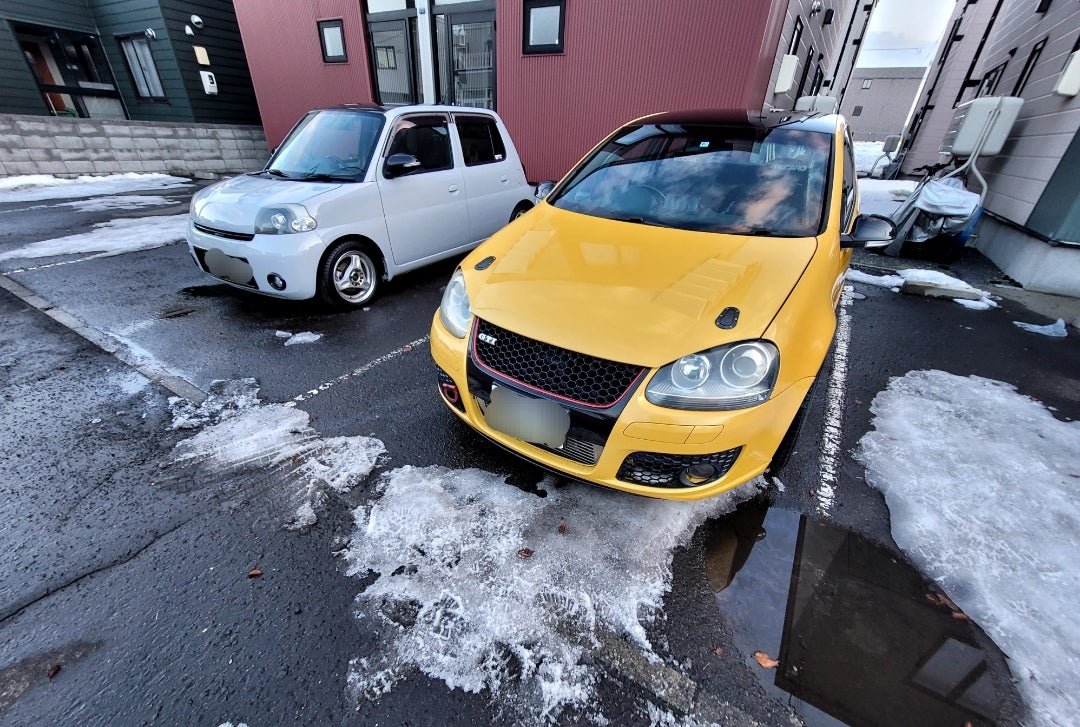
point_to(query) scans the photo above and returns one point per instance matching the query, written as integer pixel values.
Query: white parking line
(832, 433)
(386, 357)
(51, 265)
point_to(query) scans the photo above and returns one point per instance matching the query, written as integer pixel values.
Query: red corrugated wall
(281, 41)
(625, 59)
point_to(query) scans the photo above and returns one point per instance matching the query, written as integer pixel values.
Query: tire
(348, 275)
(520, 210)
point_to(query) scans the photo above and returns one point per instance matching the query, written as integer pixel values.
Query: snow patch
(926, 277)
(282, 334)
(881, 281)
(1054, 330)
(982, 487)
(114, 237)
(130, 382)
(868, 152)
(660, 717)
(304, 337)
(121, 202)
(487, 587)
(239, 432)
(36, 187)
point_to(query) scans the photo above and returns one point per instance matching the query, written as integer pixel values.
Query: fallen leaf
(525, 553)
(718, 650)
(764, 661)
(562, 528)
(53, 670)
(254, 572)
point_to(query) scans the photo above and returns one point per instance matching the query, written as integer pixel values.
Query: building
(1031, 222)
(879, 100)
(561, 73)
(101, 86)
(124, 59)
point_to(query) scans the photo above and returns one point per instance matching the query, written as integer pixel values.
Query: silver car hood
(233, 204)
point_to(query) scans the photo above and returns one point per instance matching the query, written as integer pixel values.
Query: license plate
(537, 421)
(227, 267)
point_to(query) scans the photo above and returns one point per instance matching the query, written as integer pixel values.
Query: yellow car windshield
(738, 180)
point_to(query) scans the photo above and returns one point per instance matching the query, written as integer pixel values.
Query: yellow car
(655, 323)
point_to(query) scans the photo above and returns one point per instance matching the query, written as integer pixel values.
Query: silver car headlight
(455, 312)
(734, 376)
(284, 219)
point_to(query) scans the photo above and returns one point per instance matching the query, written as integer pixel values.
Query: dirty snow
(984, 496)
(1054, 330)
(926, 277)
(120, 202)
(883, 196)
(36, 187)
(660, 717)
(130, 382)
(114, 237)
(476, 585)
(294, 338)
(239, 432)
(866, 153)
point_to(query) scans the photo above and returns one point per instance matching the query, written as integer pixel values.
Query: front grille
(567, 374)
(241, 236)
(577, 450)
(662, 470)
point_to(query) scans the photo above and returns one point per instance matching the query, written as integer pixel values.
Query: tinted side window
(849, 185)
(427, 138)
(480, 140)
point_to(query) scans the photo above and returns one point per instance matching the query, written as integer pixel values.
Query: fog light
(697, 474)
(276, 281)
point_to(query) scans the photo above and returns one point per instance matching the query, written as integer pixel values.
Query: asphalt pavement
(136, 581)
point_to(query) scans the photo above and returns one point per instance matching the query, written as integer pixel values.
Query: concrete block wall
(69, 147)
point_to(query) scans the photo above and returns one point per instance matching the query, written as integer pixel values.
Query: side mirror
(869, 231)
(544, 189)
(398, 165)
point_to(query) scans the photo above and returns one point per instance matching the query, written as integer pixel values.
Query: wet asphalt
(135, 583)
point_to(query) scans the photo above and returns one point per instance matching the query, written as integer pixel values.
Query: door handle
(452, 189)
(504, 179)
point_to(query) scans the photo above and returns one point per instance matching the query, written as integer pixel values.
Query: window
(1043, 6)
(425, 137)
(385, 57)
(849, 185)
(805, 72)
(857, 111)
(796, 38)
(991, 79)
(543, 26)
(332, 39)
(141, 67)
(867, 83)
(1029, 66)
(480, 140)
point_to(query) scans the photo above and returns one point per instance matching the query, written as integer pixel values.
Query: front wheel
(348, 276)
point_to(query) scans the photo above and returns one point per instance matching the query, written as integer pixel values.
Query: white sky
(904, 32)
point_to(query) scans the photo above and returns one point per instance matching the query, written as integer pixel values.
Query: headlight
(734, 376)
(197, 196)
(454, 310)
(284, 220)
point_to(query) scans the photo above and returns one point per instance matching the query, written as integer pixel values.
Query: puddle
(860, 635)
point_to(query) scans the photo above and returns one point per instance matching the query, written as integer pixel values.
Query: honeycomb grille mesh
(662, 470)
(586, 379)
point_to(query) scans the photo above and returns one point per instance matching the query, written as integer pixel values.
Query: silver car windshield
(737, 180)
(334, 145)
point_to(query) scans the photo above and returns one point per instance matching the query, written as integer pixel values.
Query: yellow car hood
(630, 292)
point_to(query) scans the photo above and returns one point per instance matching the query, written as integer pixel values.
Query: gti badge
(488, 339)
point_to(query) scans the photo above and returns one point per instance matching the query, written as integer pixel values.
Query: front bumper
(751, 436)
(295, 258)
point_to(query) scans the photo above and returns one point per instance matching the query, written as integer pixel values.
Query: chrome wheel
(354, 276)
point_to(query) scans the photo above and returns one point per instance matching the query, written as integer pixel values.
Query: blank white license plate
(538, 421)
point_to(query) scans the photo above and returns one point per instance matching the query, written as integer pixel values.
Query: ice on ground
(883, 196)
(304, 337)
(487, 587)
(115, 237)
(36, 187)
(130, 382)
(239, 432)
(660, 717)
(282, 334)
(926, 277)
(120, 202)
(868, 152)
(1054, 330)
(983, 489)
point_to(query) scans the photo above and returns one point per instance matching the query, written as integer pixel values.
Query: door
(465, 56)
(426, 210)
(393, 58)
(491, 183)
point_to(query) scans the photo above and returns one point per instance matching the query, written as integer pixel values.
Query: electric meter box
(970, 122)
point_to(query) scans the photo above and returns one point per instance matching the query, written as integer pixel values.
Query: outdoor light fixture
(197, 21)
(188, 30)
(150, 34)
(815, 7)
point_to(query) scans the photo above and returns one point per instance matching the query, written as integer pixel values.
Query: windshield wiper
(278, 173)
(640, 221)
(325, 178)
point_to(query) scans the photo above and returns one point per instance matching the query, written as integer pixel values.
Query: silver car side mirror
(544, 189)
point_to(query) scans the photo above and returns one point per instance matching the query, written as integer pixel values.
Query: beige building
(878, 100)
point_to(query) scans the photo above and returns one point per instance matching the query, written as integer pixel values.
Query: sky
(904, 32)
